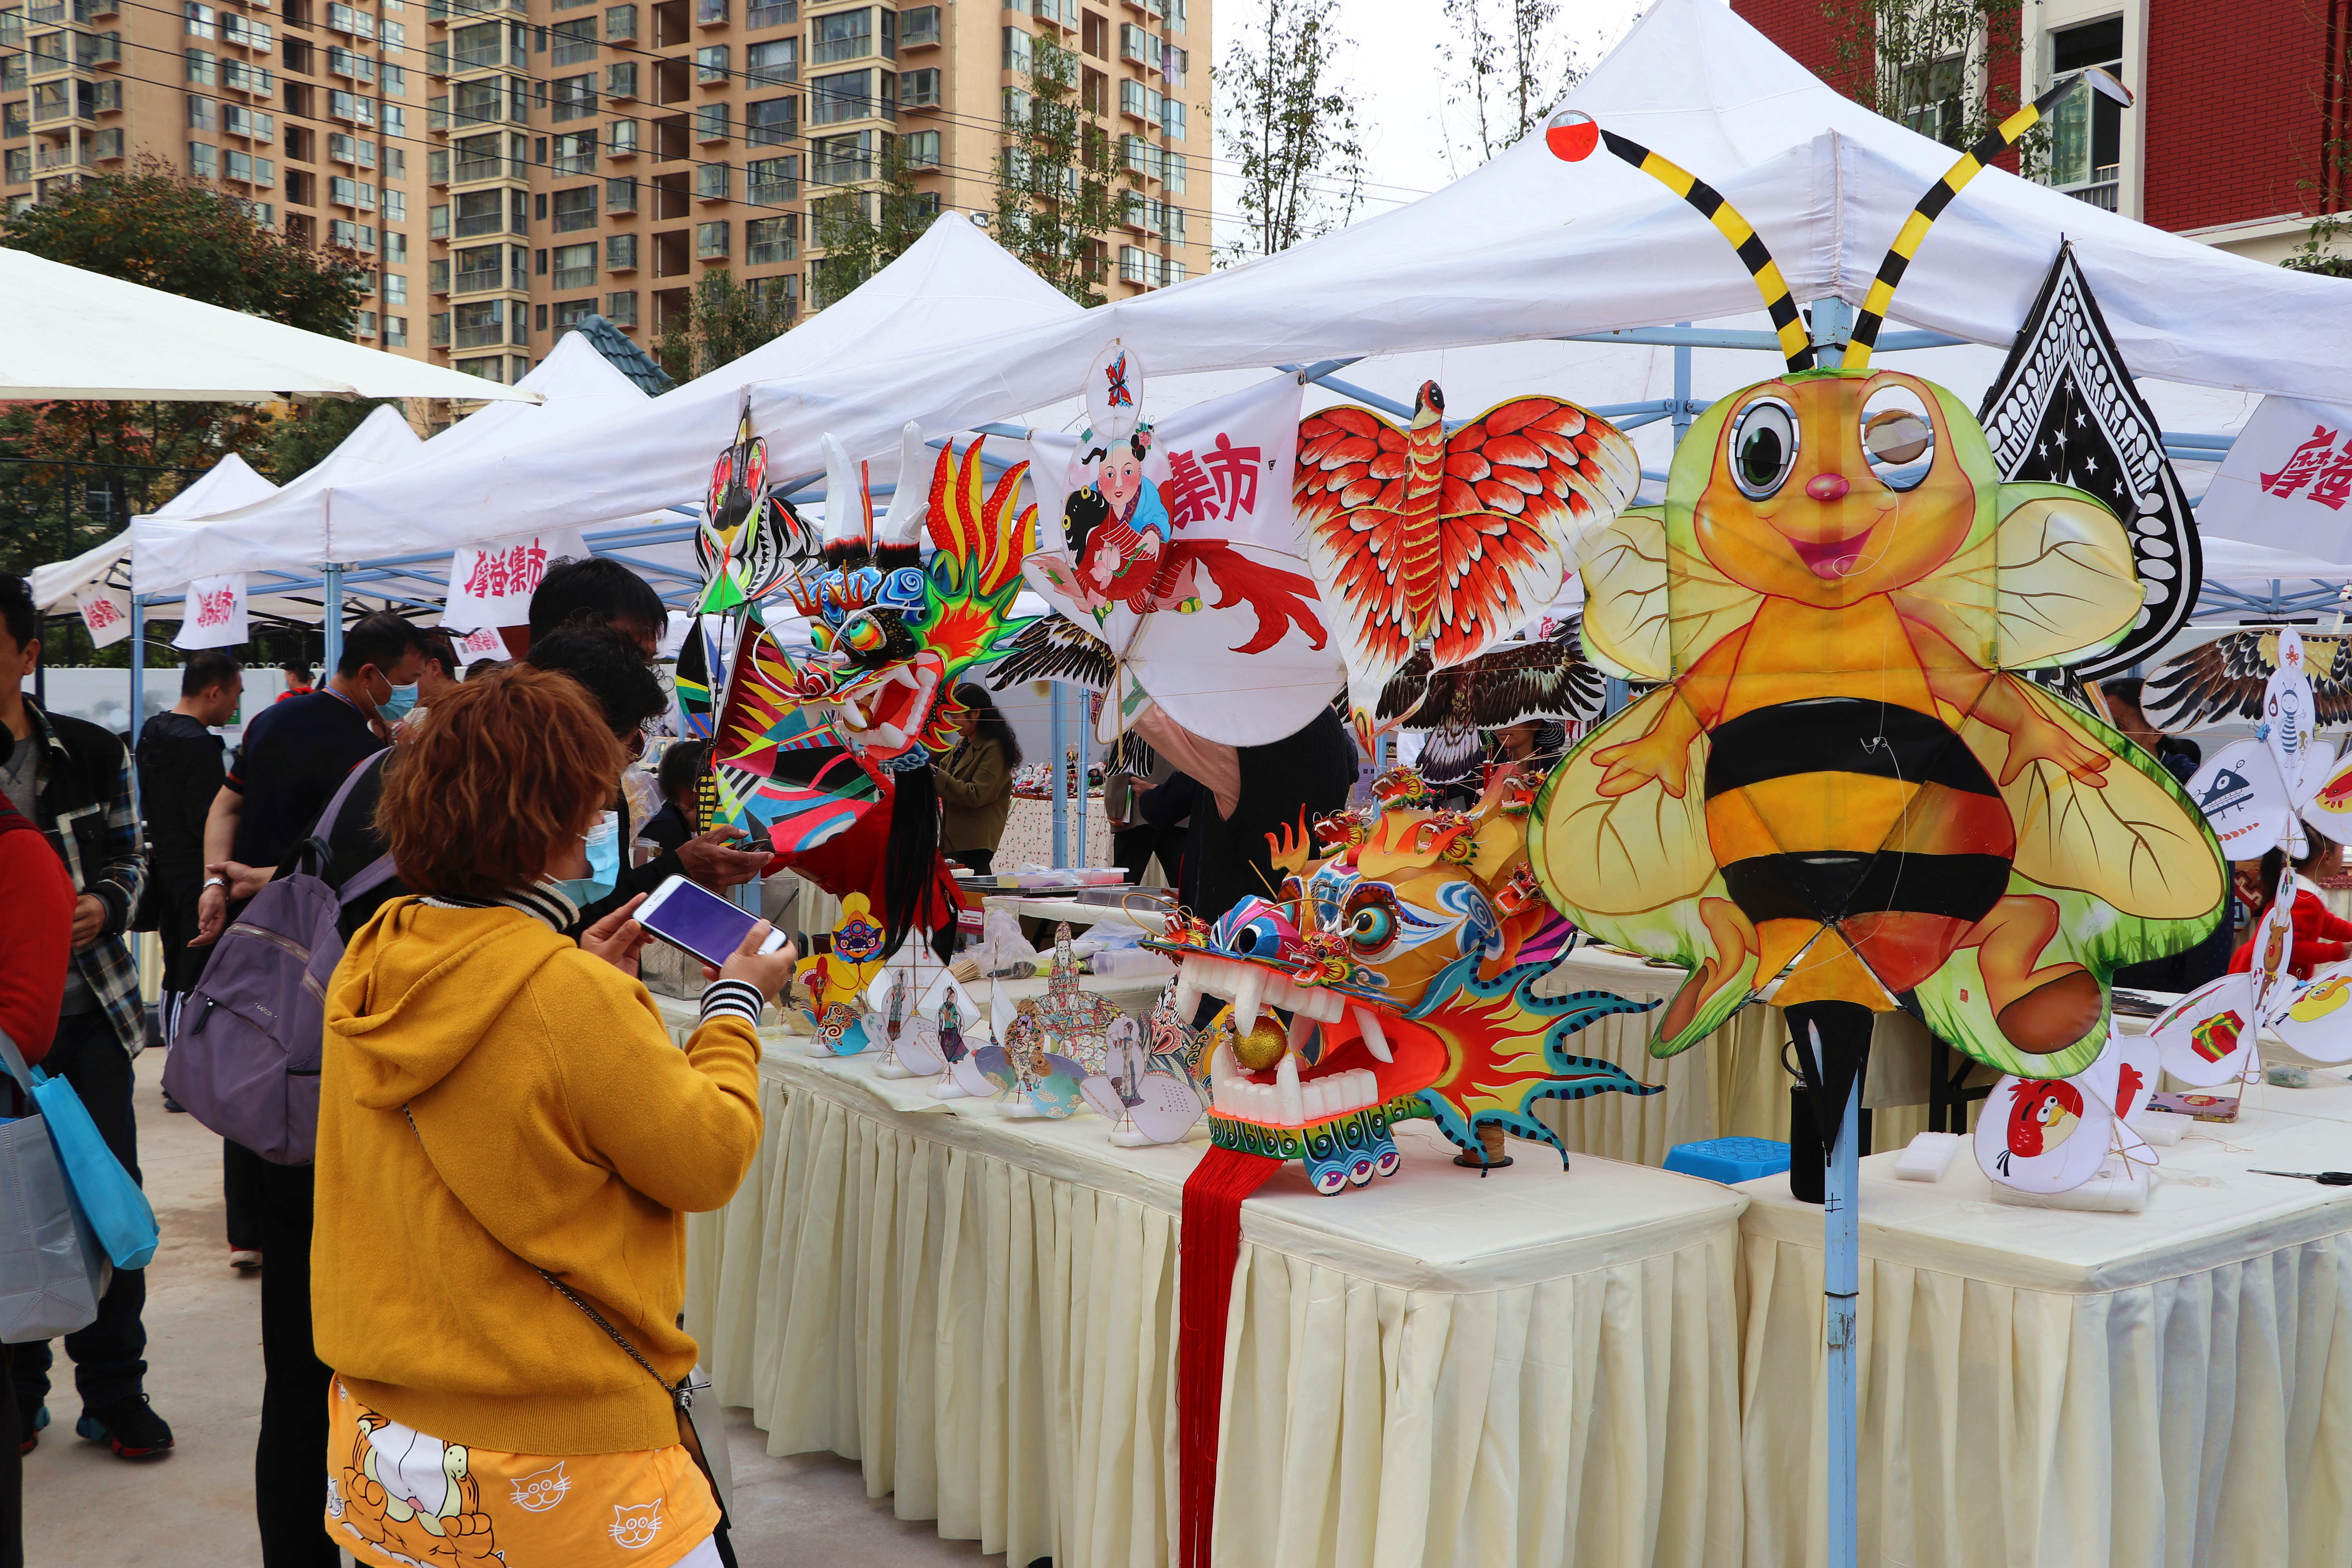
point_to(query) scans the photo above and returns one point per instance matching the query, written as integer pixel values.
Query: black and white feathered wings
(2223, 679)
(1053, 647)
(1514, 683)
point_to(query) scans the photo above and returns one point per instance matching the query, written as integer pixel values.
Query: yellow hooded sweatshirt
(564, 1129)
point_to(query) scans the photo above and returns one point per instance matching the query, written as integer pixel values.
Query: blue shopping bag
(117, 1212)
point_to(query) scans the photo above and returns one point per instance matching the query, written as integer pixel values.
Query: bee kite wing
(2209, 683)
(1523, 483)
(1053, 648)
(1349, 498)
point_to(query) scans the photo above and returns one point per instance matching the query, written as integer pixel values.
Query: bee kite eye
(1898, 438)
(1763, 446)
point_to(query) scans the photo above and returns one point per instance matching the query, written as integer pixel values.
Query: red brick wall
(2234, 106)
(1804, 33)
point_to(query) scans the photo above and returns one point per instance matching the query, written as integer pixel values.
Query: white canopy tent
(292, 533)
(78, 334)
(229, 483)
(1529, 248)
(953, 287)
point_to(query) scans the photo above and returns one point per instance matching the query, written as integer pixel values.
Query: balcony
(53, 159)
(474, 171)
(711, 13)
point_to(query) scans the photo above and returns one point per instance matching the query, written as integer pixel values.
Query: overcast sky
(1399, 78)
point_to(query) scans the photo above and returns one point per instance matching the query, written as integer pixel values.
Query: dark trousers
(241, 1184)
(1133, 848)
(175, 892)
(289, 1462)
(109, 1355)
(11, 1480)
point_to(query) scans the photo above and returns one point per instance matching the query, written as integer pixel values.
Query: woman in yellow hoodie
(508, 1143)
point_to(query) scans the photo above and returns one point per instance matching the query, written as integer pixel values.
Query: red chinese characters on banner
(1223, 483)
(100, 614)
(216, 608)
(2316, 459)
(513, 572)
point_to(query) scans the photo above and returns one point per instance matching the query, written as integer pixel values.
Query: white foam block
(2161, 1127)
(1928, 1156)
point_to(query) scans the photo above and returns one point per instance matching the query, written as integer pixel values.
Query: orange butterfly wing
(1350, 496)
(1522, 481)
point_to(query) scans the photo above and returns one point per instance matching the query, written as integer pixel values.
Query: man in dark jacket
(179, 770)
(72, 779)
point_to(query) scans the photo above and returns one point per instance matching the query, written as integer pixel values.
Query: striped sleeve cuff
(732, 999)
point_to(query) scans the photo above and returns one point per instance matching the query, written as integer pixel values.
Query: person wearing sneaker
(508, 1144)
(72, 780)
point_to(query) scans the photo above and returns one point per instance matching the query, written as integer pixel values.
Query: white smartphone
(697, 922)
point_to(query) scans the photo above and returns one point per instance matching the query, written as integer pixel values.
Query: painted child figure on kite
(1839, 784)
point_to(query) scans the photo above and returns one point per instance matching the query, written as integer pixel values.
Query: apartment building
(2239, 103)
(508, 167)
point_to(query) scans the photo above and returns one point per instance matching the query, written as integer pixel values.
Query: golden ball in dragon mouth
(1262, 1047)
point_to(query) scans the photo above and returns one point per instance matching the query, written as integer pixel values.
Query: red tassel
(1210, 1240)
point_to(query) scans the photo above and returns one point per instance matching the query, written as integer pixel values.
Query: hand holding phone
(763, 960)
(698, 921)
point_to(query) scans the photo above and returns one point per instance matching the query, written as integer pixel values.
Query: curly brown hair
(506, 768)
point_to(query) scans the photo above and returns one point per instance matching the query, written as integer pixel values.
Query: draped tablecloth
(1528, 1368)
(2048, 1387)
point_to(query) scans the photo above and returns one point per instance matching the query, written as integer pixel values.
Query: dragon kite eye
(863, 634)
(1898, 438)
(1763, 446)
(1369, 926)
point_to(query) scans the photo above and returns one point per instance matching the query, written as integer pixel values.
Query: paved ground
(86, 1508)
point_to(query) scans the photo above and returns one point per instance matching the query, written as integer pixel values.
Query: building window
(772, 122)
(1173, 169)
(786, 288)
(710, 181)
(576, 154)
(477, 157)
(1171, 117)
(481, 213)
(1135, 264)
(575, 266)
(476, 45)
(203, 66)
(396, 288)
(203, 162)
(921, 149)
(621, 79)
(843, 96)
(769, 64)
(842, 36)
(621, 308)
(620, 253)
(709, 13)
(621, 137)
(573, 43)
(202, 22)
(479, 269)
(202, 115)
(1016, 50)
(621, 196)
(769, 182)
(771, 13)
(479, 103)
(2086, 132)
(570, 313)
(574, 209)
(710, 63)
(572, 97)
(710, 241)
(841, 160)
(710, 122)
(620, 22)
(919, 25)
(395, 332)
(493, 368)
(919, 89)
(768, 241)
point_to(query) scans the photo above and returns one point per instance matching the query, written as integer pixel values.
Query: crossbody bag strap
(378, 871)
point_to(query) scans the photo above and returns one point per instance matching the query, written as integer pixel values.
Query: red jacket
(35, 935)
(2321, 936)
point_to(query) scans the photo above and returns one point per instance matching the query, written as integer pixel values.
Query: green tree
(301, 443)
(1923, 63)
(1507, 81)
(722, 322)
(1290, 125)
(863, 231)
(73, 473)
(1054, 196)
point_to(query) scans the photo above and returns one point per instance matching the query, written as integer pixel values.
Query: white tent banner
(215, 613)
(106, 616)
(490, 584)
(2286, 483)
(484, 643)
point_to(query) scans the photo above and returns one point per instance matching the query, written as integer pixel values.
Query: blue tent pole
(138, 660)
(331, 621)
(1061, 781)
(1682, 415)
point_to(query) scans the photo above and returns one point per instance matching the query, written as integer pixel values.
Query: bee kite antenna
(1992, 145)
(1572, 134)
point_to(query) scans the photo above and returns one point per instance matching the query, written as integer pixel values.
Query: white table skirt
(2051, 1389)
(1528, 1369)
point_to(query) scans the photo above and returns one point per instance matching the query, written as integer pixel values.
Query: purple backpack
(244, 1058)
